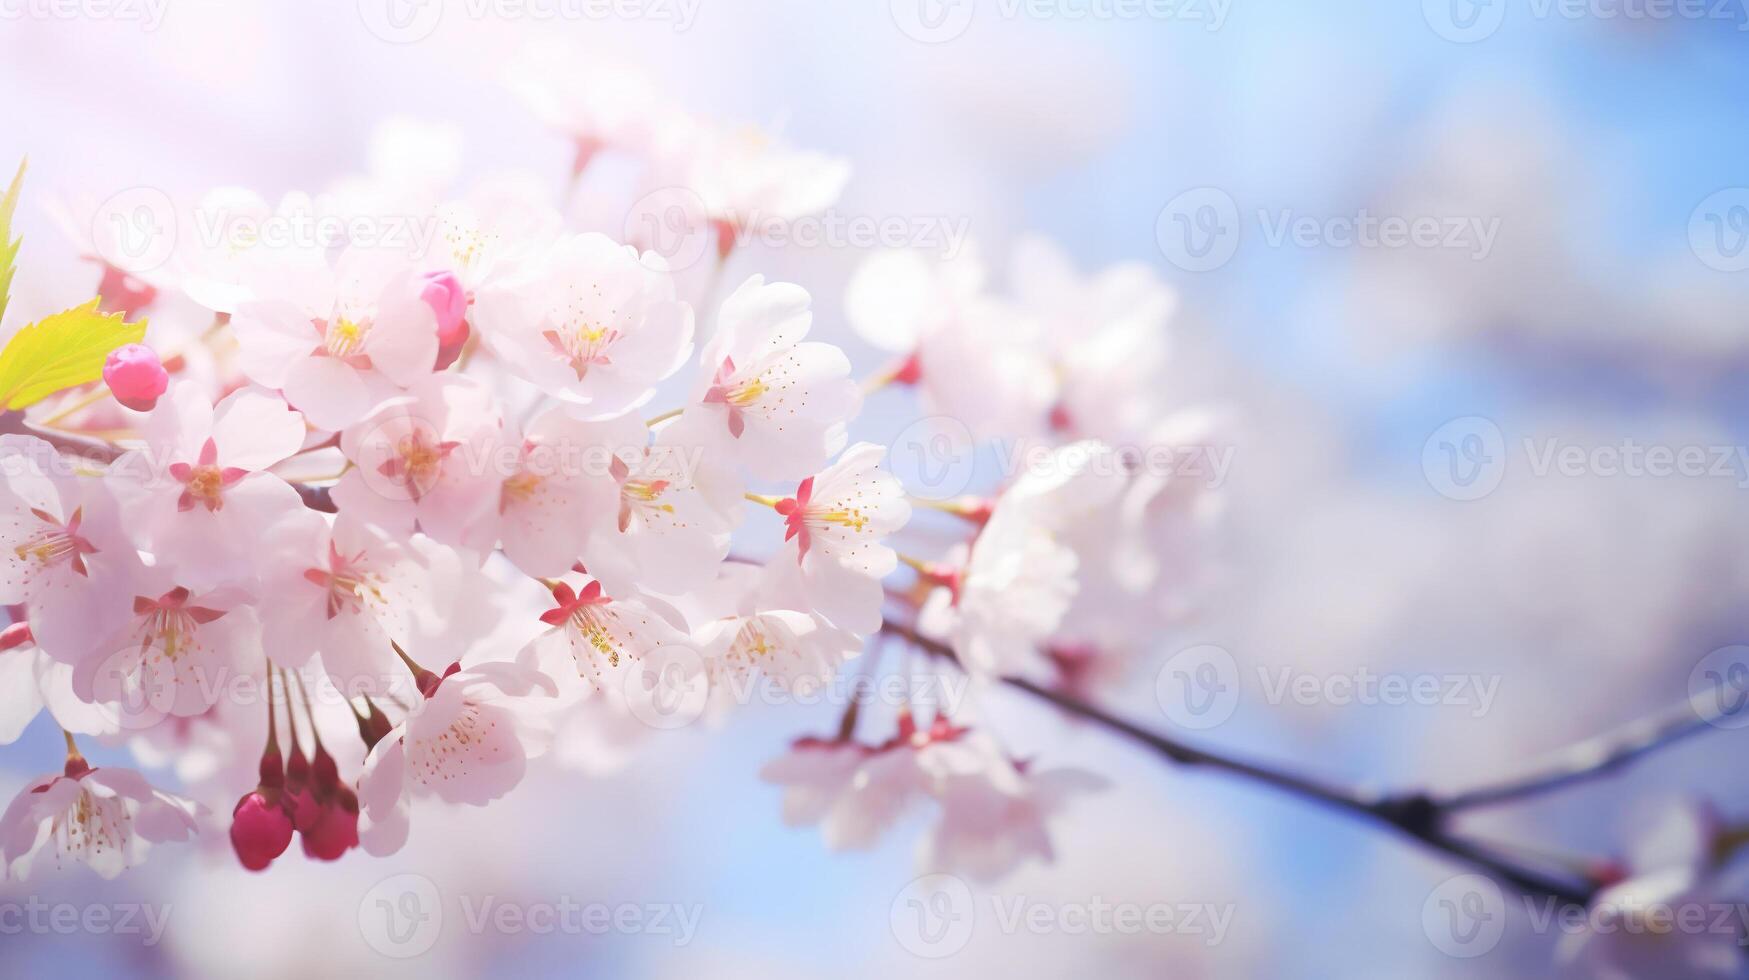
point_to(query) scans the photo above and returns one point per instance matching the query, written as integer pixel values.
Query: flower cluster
(402, 513)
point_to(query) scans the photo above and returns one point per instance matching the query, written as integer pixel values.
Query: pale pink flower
(1106, 335)
(756, 620)
(745, 176)
(596, 325)
(974, 358)
(837, 521)
(596, 104)
(105, 818)
(173, 655)
(61, 547)
(468, 740)
(764, 397)
(993, 809)
(559, 479)
(1680, 862)
(672, 522)
(20, 698)
(347, 592)
(602, 634)
(423, 461)
(1005, 596)
(337, 341)
(198, 495)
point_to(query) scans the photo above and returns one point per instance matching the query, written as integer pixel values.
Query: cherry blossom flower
(1004, 595)
(756, 620)
(973, 357)
(20, 698)
(422, 461)
(602, 634)
(349, 592)
(337, 340)
(597, 325)
(1106, 335)
(745, 176)
(467, 741)
(1682, 860)
(598, 105)
(105, 818)
(173, 654)
(765, 397)
(836, 522)
(61, 548)
(672, 523)
(558, 479)
(199, 493)
(993, 810)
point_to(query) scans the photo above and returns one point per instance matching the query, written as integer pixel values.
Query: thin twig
(1414, 814)
(1606, 753)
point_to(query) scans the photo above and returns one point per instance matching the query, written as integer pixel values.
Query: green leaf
(8, 244)
(62, 351)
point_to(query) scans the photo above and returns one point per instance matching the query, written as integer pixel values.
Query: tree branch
(1606, 753)
(1414, 815)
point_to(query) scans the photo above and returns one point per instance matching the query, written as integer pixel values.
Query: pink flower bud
(446, 297)
(337, 832)
(135, 376)
(261, 830)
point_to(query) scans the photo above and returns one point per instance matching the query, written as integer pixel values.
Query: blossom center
(345, 336)
(56, 542)
(582, 345)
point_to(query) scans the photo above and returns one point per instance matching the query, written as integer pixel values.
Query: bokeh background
(1608, 306)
